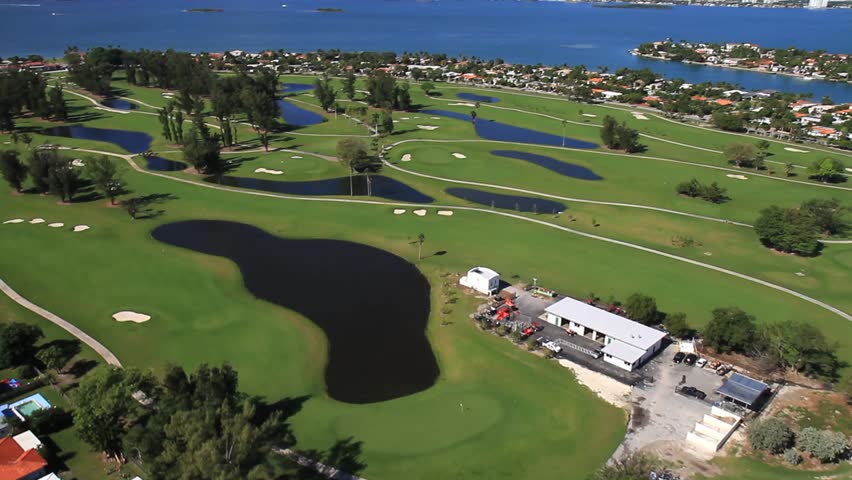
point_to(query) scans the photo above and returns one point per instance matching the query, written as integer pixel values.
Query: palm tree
(420, 239)
(14, 137)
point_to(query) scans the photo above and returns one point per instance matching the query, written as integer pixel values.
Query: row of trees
(619, 136)
(797, 230)
(712, 193)
(779, 345)
(385, 93)
(26, 91)
(56, 174)
(196, 425)
(775, 437)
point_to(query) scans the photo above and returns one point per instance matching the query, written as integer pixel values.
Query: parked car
(701, 362)
(679, 356)
(693, 392)
(553, 347)
(690, 359)
(724, 369)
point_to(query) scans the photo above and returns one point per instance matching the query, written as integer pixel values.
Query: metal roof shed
(743, 390)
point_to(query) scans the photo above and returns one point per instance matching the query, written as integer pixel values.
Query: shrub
(824, 445)
(730, 330)
(49, 420)
(25, 372)
(792, 456)
(771, 435)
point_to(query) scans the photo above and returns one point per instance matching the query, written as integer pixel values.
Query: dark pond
(133, 142)
(297, 87)
(118, 104)
(552, 164)
(372, 305)
(298, 116)
(161, 164)
(380, 186)
(491, 130)
(477, 98)
(506, 202)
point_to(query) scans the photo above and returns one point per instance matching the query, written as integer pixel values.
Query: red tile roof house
(18, 464)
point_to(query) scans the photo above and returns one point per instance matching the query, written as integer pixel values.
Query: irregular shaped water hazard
(506, 202)
(491, 130)
(298, 116)
(297, 87)
(372, 305)
(477, 98)
(118, 103)
(379, 186)
(550, 163)
(130, 141)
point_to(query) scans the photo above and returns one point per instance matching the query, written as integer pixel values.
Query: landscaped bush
(711, 193)
(771, 435)
(792, 456)
(825, 445)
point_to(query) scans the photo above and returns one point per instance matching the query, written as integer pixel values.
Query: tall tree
(325, 93)
(827, 214)
(58, 107)
(349, 85)
(13, 169)
(104, 175)
(730, 330)
(261, 110)
(741, 154)
(420, 240)
(352, 152)
(827, 170)
(642, 308)
(63, 179)
(17, 343)
(39, 167)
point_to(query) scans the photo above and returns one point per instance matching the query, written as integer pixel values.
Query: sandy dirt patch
(427, 127)
(296, 156)
(445, 213)
(81, 228)
(738, 177)
(77, 163)
(435, 118)
(462, 105)
(406, 157)
(404, 118)
(849, 169)
(265, 170)
(56, 225)
(420, 213)
(590, 115)
(605, 387)
(129, 316)
(14, 220)
(36, 221)
(398, 211)
(459, 155)
(795, 150)
(640, 116)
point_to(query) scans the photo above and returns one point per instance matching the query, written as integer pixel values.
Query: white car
(701, 362)
(553, 347)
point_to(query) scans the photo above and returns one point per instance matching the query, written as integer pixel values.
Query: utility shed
(744, 391)
(481, 279)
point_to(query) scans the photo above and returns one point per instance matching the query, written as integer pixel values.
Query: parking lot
(659, 414)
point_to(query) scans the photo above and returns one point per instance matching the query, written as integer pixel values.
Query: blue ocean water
(529, 32)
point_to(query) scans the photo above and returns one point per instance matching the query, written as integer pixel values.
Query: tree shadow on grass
(81, 367)
(344, 455)
(86, 113)
(142, 207)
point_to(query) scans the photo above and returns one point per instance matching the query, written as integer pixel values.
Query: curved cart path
(819, 303)
(101, 350)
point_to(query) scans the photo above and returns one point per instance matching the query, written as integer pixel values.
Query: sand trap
(81, 228)
(295, 156)
(14, 220)
(396, 121)
(639, 116)
(435, 118)
(420, 213)
(445, 213)
(849, 169)
(56, 225)
(462, 105)
(398, 211)
(36, 221)
(404, 118)
(590, 115)
(265, 170)
(77, 163)
(406, 157)
(128, 316)
(738, 177)
(427, 127)
(800, 274)
(709, 254)
(795, 150)
(459, 155)
(7, 143)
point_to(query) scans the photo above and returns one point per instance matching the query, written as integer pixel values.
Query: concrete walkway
(101, 350)
(325, 470)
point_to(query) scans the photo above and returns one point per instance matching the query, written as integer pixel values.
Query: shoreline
(742, 69)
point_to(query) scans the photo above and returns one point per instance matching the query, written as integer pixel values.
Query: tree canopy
(17, 343)
(730, 330)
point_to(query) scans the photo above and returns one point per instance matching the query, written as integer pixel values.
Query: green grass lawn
(750, 468)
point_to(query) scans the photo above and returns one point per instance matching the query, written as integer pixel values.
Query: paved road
(103, 351)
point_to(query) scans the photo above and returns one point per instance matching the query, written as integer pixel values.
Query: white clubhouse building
(627, 344)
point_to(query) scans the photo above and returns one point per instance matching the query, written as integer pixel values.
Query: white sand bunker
(396, 121)
(265, 170)
(445, 213)
(459, 155)
(14, 220)
(406, 157)
(709, 254)
(398, 211)
(590, 115)
(404, 118)
(738, 177)
(800, 274)
(128, 316)
(56, 225)
(420, 213)
(639, 116)
(81, 228)
(435, 118)
(427, 127)
(77, 163)
(36, 221)
(795, 150)
(295, 156)
(462, 105)
(848, 169)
